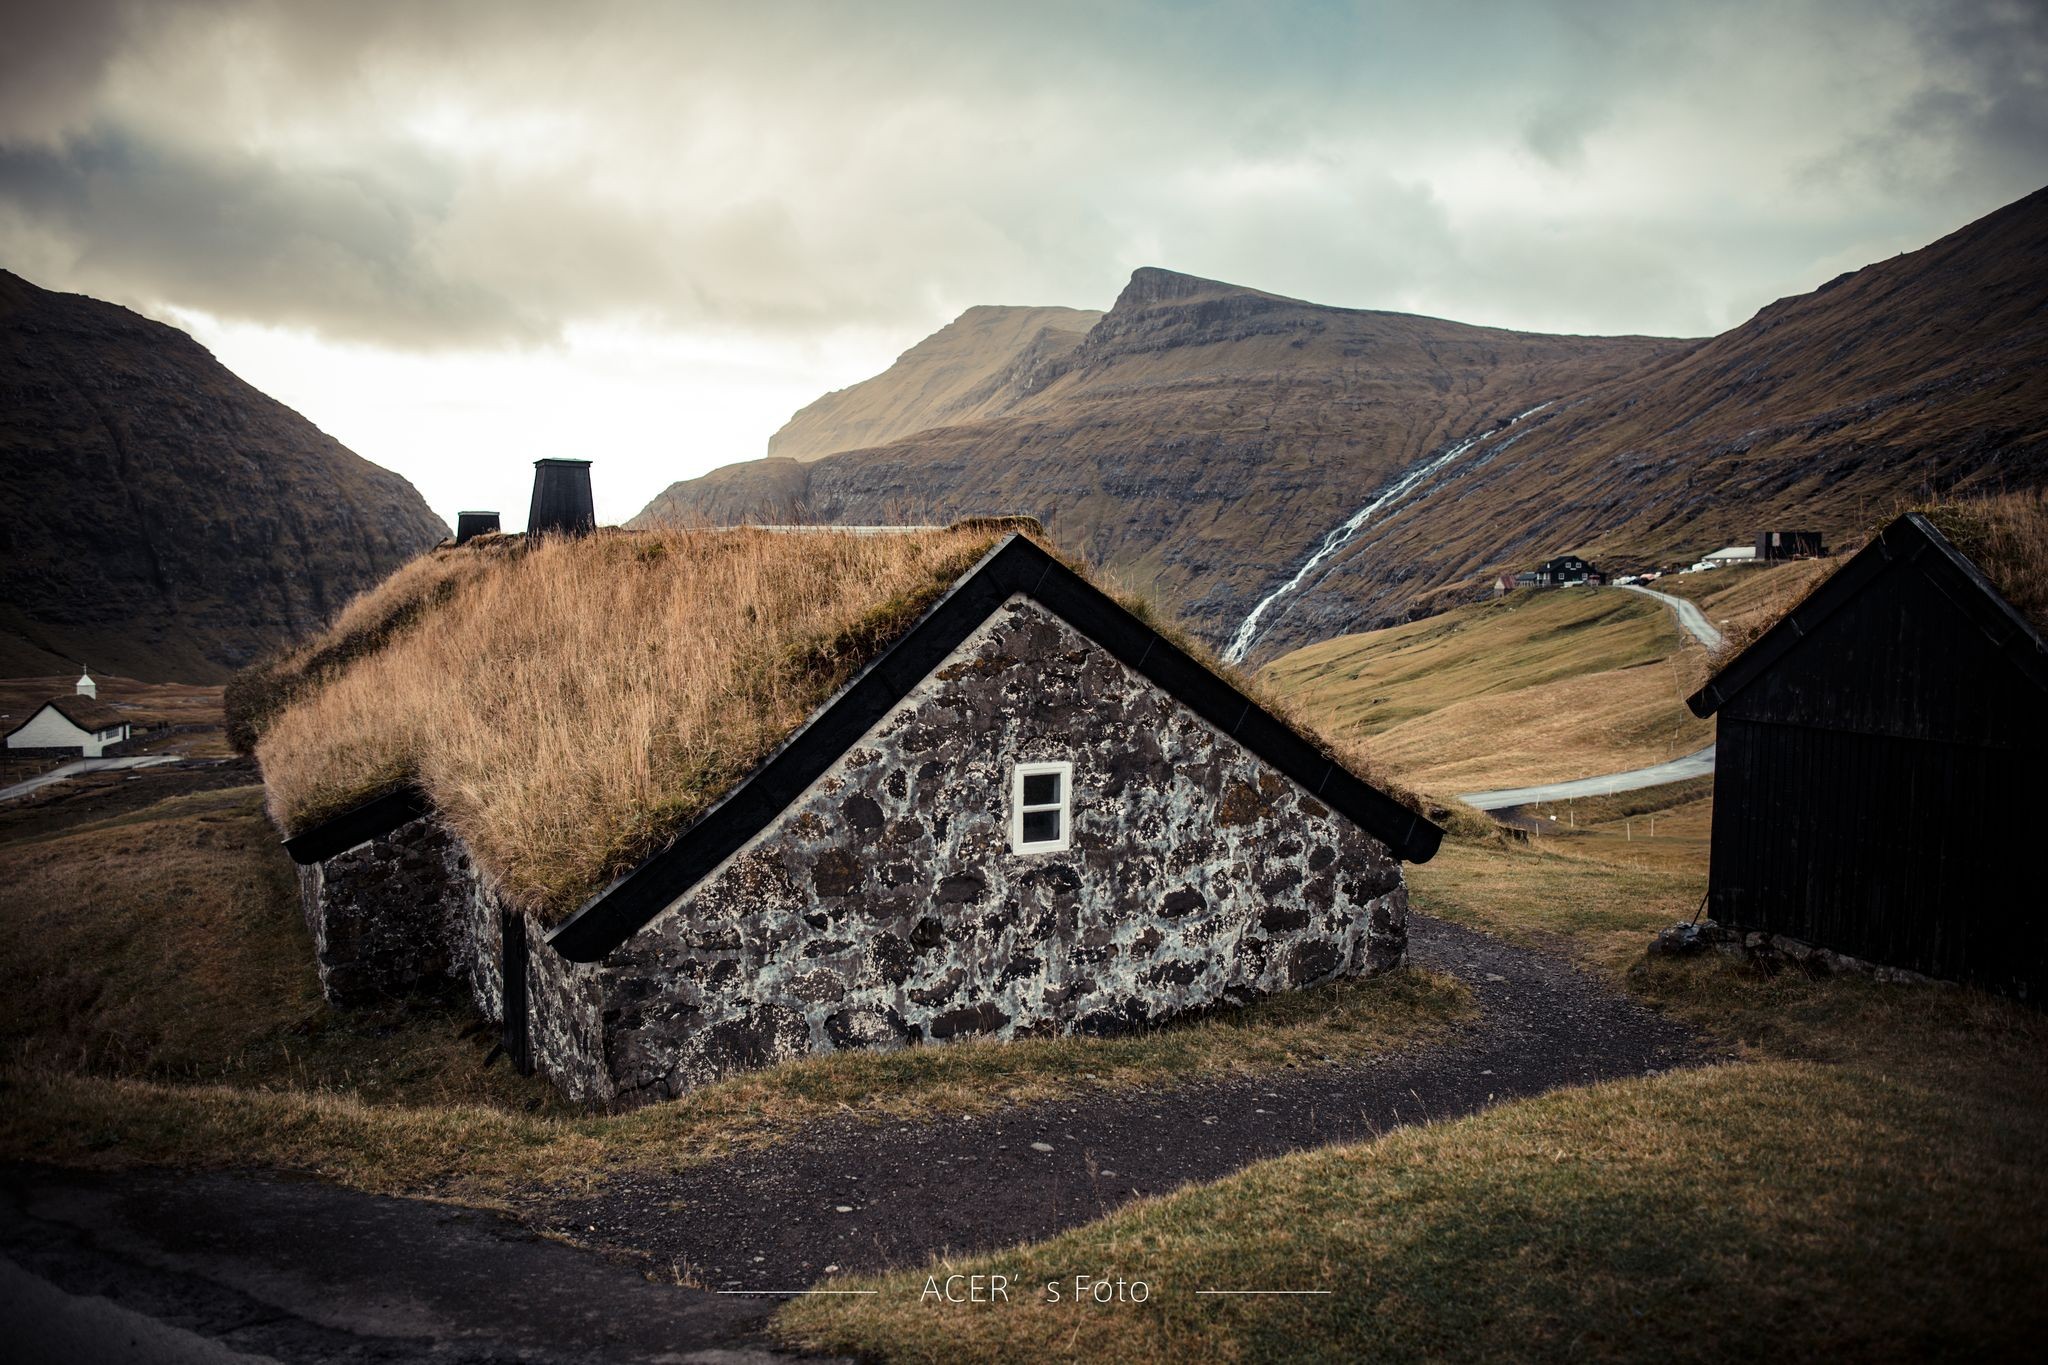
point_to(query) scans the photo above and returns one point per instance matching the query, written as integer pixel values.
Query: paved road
(1689, 616)
(234, 1268)
(83, 765)
(1696, 764)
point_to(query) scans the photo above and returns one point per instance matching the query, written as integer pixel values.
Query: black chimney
(561, 499)
(470, 525)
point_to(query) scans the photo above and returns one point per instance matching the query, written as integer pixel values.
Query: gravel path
(1689, 616)
(1699, 763)
(860, 1196)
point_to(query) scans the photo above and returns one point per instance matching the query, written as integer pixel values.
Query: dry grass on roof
(570, 704)
(2007, 537)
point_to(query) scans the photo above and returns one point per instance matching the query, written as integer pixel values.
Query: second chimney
(470, 525)
(561, 499)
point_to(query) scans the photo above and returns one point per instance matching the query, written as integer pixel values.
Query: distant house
(1028, 813)
(1566, 569)
(1873, 746)
(1728, 555)
(68, 723)
(1772, 546)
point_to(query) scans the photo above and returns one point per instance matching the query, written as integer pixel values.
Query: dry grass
(2007, 537)
(482, 1146)
(1537, 686)
(166, 943)
(573, 706)
(1772, 1210)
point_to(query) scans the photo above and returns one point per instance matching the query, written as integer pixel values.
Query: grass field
(166, 1010)
(1535, 686)
(1866, 1182)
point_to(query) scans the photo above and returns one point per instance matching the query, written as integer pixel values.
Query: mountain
(1196, 437)
(1920, 377)
(1209, 443)
(973, 367)
(163, 519)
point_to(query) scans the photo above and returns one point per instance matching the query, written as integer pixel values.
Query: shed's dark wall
(1871, 790)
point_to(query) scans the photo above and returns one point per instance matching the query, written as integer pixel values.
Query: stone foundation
(1773, 953)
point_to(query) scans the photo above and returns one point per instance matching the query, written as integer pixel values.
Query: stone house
(1029, 814)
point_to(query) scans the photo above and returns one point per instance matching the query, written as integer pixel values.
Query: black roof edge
(1015, 565)
(1909, 539)
(377, 816)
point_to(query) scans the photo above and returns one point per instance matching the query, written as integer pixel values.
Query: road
(1689, 616)
(219, 1268)
(82, 765)
(1696, 764)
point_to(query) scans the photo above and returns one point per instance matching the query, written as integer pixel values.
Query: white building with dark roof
(74, 722)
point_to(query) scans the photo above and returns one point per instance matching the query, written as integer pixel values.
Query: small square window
(1041, 807)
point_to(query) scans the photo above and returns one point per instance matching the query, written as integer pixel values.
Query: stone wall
(886, 907)
(384, 914)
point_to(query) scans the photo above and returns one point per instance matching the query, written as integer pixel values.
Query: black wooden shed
(1880, 757)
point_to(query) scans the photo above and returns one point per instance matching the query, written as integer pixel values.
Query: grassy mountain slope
(1539, 686)
(1924, 375)
(163, 519)
(1202, 439)
(975, 366)
(1196, 438)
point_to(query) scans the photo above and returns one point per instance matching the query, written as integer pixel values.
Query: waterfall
(1337, 537)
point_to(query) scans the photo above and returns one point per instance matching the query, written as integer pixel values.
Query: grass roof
(568, 705)
(2007, 538)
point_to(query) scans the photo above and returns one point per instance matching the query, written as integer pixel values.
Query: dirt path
(858, 1196)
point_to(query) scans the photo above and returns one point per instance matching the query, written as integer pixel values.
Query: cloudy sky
(460, 236)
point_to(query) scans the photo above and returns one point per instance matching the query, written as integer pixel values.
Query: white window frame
(1020, 771)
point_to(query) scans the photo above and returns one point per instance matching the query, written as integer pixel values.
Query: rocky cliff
(160, 518)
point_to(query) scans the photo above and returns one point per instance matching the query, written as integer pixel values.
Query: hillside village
(1219, 827)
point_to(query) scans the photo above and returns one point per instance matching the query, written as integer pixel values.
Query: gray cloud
(495, 174)
(340, 251)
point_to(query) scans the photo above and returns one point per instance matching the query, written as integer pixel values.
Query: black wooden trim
(1911, 540)
(373, 818)
(1014, 566)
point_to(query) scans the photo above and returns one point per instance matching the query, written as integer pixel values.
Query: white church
(79, 721)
